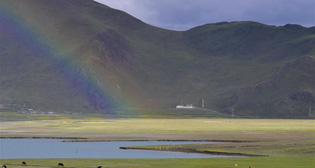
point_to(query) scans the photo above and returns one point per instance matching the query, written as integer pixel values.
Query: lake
(54, 148)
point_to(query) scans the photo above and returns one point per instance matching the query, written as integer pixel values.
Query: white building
(187, 106)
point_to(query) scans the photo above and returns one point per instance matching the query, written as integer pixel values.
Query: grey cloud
(184, 14)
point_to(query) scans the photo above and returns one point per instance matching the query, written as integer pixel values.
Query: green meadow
(281, 143)
(257, 162)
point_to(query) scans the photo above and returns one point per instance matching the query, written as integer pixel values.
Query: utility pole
(233, 112)
(203, 103)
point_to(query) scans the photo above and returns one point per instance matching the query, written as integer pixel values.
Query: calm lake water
(52, 148)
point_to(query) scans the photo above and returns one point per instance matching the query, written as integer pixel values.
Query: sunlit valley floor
(280, 143)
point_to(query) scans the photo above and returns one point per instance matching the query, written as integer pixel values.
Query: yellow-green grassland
(274, 143)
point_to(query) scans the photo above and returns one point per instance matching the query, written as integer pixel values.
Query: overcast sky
(185, 14)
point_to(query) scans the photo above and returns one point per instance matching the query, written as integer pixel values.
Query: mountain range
(82, 55)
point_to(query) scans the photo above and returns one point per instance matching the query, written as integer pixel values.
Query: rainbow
(33, 36)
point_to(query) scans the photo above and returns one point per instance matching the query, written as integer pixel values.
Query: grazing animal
(4, 166)
(99, 167)
(60, 164)
(24, 163)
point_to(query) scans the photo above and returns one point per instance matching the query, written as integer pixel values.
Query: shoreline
(193, 151)
(39, 137)
(85, 139)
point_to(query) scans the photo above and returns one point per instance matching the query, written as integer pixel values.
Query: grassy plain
(285, 143)
(256, 162)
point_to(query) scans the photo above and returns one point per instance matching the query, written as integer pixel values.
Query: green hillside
(288, 91)
(81, 55)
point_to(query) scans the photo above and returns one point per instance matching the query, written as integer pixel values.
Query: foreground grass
(287, 143)
(259, 162)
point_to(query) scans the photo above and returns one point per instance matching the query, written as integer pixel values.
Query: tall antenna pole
(203, 103)
(233, 112)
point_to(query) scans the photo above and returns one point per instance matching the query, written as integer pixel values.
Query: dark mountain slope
(287, 93)
(107, 59)
(28, 75)
(245, 40)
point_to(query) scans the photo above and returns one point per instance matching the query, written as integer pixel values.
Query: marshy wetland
(280, 143)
